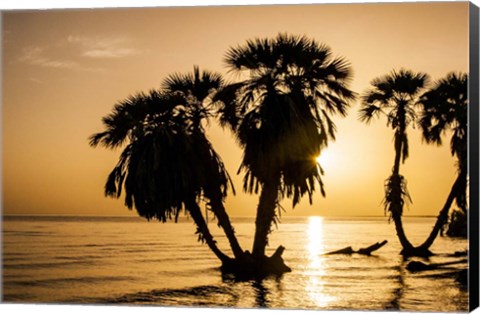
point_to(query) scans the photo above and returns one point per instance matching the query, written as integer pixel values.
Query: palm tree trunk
(224, 222)
(395, 208)
(265, 215)
(398, 153)
(197, 217)
(406, 245)
(443, 215)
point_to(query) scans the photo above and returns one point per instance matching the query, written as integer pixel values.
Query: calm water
(129, 260)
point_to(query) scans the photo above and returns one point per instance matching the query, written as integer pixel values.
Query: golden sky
(64, 70)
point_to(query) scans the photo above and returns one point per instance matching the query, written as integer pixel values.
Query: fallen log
(347, 250)
(371, 248)
(364, 251)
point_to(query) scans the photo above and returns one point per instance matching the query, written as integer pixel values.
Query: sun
(324, 158)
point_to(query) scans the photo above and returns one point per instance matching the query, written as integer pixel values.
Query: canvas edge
(473, 97)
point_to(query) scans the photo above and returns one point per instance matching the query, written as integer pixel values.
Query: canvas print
(282, 156)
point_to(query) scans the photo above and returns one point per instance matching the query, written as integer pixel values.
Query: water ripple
(63, 281)
(202, 295)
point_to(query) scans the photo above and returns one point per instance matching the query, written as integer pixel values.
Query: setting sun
(324, 159)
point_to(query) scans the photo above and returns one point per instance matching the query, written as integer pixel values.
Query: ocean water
(120, 260)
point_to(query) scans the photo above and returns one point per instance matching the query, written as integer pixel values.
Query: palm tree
(395, 95)
(279, 111)
(197, 88)
(445, 108)
(168, 164)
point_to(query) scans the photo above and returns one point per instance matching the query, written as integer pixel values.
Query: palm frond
(445, 108)
(368, 112)
(168, 160)
(197, 84)
(396, 195)
(395, 95)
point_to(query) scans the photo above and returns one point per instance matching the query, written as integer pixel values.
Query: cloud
(35, 56)
(78, 52)
(109, 53)
(110, 47)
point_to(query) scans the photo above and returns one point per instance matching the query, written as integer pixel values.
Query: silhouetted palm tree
(445, 108)
(197, 88)
(168, 163)
(395, 95)
(280, 111)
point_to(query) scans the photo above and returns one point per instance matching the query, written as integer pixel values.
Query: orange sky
(64, 70)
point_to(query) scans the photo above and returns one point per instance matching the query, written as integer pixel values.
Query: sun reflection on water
(316, 268)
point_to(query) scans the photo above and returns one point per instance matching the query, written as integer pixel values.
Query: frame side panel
(474, 160)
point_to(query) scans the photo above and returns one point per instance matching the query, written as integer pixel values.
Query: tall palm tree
(197, 87)
(445, 108)
(168, 164)
(280, 111)
(395, 95)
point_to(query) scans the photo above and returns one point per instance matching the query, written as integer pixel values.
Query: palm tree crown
(394, 95)
(445, 108)
(196, 88)
(280, 109)
(168, 161)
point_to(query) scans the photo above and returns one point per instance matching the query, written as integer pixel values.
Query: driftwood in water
(460, 276)
(415, 266)
(364, 251)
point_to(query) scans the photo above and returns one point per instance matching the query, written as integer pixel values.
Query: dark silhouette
(196, 89)
(415, 266)
(363, 251)
(395, 95)
(168, 164)
(444, 108)
(458, 224)
(280, 112)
